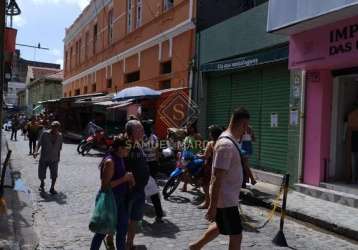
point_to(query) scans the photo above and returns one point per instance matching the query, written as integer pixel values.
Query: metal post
(280, 239)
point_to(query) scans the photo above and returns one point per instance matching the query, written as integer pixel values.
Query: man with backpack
(226, 183)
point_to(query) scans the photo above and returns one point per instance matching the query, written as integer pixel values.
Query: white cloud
(19, 21)
(56, 52)
(83, 3)
(60, 61)
(79, 3)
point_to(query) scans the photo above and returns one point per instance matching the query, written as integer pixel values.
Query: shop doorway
(341, 170)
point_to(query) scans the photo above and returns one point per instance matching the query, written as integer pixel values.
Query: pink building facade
(322, 52)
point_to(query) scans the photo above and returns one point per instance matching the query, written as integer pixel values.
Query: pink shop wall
(332, 46)
(319, 51)
(318, 125)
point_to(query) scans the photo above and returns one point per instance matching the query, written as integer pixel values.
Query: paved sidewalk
(16, 226)
(328, 215)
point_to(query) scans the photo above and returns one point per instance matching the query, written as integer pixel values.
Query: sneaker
(53, 191)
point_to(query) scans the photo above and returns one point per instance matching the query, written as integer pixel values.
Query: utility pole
(2, 67)
(9, 8)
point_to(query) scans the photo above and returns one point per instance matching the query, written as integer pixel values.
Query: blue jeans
(122, 226)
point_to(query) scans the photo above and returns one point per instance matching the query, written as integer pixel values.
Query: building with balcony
(44, 88)
(42, 84)
(324, 49)
(117, 44)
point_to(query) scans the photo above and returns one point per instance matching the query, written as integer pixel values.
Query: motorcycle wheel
(80, 146)
(86, 148)
(171, 186)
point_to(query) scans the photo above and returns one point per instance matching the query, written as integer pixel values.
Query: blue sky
(44, 21)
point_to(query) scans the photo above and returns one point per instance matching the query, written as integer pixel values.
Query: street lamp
(12, 9)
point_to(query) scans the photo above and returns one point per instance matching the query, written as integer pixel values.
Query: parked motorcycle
(189, 166)
(80, 145)
(92, 130)
(168, 156)
(99, 139)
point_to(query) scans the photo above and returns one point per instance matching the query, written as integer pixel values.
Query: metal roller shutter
(262, 91)
(219, 100)
(275, 99)
(246, 88)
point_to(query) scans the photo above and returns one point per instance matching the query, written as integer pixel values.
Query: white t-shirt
(227, 157)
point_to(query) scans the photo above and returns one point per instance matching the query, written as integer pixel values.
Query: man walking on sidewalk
(14, 127)
(226, 183)
(33, 130)
(50, 143)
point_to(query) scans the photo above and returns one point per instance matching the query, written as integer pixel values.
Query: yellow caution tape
(270, 214)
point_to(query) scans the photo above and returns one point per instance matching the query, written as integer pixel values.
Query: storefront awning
(268, 56)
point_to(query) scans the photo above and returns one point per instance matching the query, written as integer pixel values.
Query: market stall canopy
(81, 97)
(49, 101)
(38, 109)
(94, 100)
(136, 93)
(122, 104)
(105, 103)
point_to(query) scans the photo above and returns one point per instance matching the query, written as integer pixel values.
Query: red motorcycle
(98, 140)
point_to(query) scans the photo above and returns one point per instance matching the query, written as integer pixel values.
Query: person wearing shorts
(33, 131)
(225, 186)
(50, 143)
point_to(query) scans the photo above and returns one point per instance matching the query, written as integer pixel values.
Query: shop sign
(332, 46)
(274, 55)
(238, 64)
(344, 39)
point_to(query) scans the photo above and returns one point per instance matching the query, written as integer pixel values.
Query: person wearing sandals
(150, 148)
(50, 143)
(214, 133)
(136, 162)
(192, 142)
(114, 175)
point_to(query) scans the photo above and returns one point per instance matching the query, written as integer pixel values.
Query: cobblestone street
(61, 221)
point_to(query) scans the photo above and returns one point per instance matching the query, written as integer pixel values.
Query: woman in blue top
(247, 150)
(114, 175)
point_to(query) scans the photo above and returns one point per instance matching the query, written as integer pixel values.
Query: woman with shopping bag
(111, 211)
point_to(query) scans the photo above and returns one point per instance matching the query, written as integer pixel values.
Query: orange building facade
(115, 44)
